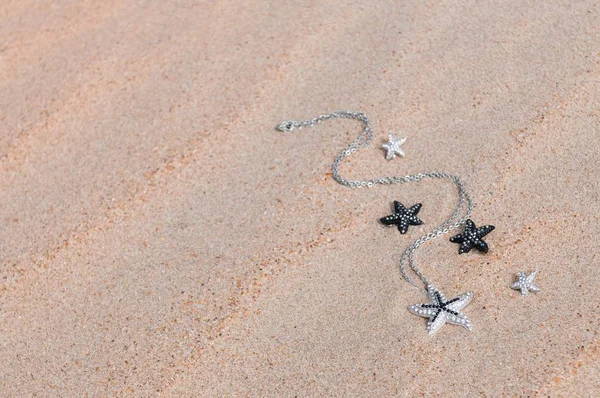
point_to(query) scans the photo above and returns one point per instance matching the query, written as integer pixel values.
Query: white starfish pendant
(525, 283)
(439, 310)
(393, 147)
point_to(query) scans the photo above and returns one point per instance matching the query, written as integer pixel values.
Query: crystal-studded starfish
(472, 237)
(403, 217)
(525, 283)
(439, 310)
(393, 147)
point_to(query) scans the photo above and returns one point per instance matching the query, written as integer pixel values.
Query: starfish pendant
(403, 217)
(439, 310)
(525, 283)
(472, 238)
(393, 147)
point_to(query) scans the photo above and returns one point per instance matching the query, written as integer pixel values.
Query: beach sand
(160, 238)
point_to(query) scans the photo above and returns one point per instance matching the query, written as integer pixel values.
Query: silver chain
(362, 141)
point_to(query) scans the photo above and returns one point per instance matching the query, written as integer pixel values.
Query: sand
(160, 238)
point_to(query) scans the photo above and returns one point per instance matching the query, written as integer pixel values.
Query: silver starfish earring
(438, 310)
(525, 283)
(393, 147)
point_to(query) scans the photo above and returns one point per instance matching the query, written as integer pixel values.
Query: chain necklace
(438, 310)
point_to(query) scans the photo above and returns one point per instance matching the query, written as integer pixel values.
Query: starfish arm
(459, 319)
(388, 220)
(469, 225)
(403, 227)
(465, 247)
(531, 277)
(436, 322)
(516, 285)
(457, 238)
(415, 221)
(483, 231)
(399, 207)
(534, 288)
(460, 302)
(390, 154)
(481, 246)
(435, 296)
(400, 152)
(419, 309)
(414, 210)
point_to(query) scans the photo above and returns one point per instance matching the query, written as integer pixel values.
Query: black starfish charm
(403, 217)
(471, 238)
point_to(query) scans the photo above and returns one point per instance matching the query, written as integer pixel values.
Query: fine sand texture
(160, 238)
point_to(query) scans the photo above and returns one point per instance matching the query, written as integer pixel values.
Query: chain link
(465, 203)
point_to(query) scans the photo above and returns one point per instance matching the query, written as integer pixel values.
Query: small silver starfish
(439, 310)
(525, 283)
(393, 147)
